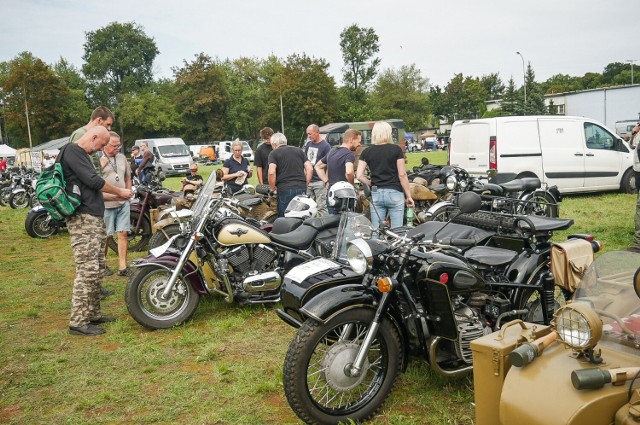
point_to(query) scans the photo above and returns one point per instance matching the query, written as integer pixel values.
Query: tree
(118, 60)
(402, 94)
(561, 83)
(359, 47)
(202, 97)
(534, 104)
(463, 98)
(492, 83)
(511, 103)
(31, 84)
(611, 70)
(75, 110)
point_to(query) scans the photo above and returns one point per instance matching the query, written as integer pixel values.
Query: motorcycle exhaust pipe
(436, 367)
(268, 281)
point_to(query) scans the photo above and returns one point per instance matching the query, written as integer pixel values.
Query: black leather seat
(490, 256)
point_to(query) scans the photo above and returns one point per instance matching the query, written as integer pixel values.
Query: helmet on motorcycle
(342, 196)
(301, 206)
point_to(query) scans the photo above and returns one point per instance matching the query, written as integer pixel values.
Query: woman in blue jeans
(389, 182)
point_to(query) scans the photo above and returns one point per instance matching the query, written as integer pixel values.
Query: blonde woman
(389, 182)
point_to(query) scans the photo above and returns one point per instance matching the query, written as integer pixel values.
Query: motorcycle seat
(546, 224)
(300, 238)
(518, 185)
(250, 202)
(489, 255)
(323, 223)
(451, 232)
(283, 225)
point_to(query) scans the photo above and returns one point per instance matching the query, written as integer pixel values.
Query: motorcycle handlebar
(463, 242)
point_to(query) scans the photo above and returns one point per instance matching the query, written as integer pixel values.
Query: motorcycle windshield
(352, 226)
(608, 287)
(206, 193)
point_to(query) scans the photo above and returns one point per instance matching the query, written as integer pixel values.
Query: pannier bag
(569, 261)
(51, 191)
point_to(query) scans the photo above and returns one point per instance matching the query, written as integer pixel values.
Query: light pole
(524, 78)
(631, 61)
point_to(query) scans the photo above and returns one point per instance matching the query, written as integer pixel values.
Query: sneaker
(86, 330)
(108, 271)
(102, 319)
(124, 272)
(104, 293)
(633, 249)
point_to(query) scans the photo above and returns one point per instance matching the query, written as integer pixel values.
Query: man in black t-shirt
(289, 171)
(262, 155)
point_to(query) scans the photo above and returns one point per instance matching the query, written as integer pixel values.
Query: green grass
(223, 367)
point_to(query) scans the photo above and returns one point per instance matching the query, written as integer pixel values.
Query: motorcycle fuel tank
(236, 232)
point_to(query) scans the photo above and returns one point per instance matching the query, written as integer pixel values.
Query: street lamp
(631, 61)
(524, 78)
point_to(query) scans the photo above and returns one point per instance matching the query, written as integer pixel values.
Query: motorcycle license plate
(318, 265)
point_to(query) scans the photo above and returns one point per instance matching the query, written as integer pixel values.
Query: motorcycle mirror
(424, 161)
(469, 202)
(636, 282)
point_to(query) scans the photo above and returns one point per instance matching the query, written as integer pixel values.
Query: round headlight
(451, 182)
(359, 256)
(578, 326)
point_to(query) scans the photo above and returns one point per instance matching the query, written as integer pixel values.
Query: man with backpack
(87, 229)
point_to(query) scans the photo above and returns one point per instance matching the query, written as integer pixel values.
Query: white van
(224, 150)
(172, 156)
(574, 153)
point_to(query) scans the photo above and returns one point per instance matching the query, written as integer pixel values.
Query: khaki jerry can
(491, 364)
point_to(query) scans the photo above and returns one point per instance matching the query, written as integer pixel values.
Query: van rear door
(469, 146)
(563, 153)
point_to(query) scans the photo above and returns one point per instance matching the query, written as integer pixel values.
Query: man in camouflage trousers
(87, 230)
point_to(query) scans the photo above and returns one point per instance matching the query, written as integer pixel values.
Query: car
(224, 150)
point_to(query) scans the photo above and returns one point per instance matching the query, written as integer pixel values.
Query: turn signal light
(444, 278)
(198, 236)
(384, 284)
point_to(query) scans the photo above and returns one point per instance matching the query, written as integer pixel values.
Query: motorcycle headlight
(451, 182)
(359, 256)
(578, 326)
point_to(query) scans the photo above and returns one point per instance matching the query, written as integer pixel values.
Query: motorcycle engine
(470, 327)
(250, 258)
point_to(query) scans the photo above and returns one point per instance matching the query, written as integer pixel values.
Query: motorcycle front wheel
(137, 241)
(39, 224)
(316, 384)
(163, 235)
(5, 194)
(19, 200)
(144, 302)
(540, 203)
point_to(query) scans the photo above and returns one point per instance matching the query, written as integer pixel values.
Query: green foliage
(359, 46)
(402, 93)
(203, 99)
(511, 103)
(353, 105)
(118, 60)
(462, 98)
(75, 110)
(492, 83)
(561, 83)
(535, 99)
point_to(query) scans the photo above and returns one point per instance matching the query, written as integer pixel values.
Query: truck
(172, 156)
(576, 154)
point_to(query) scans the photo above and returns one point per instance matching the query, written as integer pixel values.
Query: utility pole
(631, 61)
(524, 78)
(26, 113)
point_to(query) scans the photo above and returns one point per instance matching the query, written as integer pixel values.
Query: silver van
(575, 153)
(172, 156)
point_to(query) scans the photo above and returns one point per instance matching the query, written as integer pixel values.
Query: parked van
(224, 150)
(172, 156)
(577, 154)
(624, 128)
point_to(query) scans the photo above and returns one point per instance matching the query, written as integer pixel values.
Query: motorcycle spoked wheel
(33, 200)
(542, 204)
(443, 214)
(5, 194)
(315, 383)
(136, 241)
(142, 298)
(531, 300)
(39, 224)
(163, 235)
(19, 200)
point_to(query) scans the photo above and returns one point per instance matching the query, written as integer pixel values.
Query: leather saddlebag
(569, 262)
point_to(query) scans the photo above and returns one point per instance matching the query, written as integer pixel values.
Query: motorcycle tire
(530, 299)
(142, 298)
(444, 213)
(19, 200)
(39, 224)
(163, 235)
(5, 194)
(136, 241)
(316, 386)
(33, 200)
(542, 204)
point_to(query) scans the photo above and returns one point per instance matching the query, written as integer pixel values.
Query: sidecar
(583, 370)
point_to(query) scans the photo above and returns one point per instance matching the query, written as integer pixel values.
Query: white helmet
(342, 196)
(301, 206)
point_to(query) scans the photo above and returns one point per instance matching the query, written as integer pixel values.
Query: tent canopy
(427, 134)
(6, 150)
(51, 145)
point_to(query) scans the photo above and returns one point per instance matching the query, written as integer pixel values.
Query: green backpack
(51, 191)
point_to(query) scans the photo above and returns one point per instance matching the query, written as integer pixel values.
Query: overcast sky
(442, 38)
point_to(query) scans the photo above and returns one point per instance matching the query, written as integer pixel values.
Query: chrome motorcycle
(219, 253)
(429, 293)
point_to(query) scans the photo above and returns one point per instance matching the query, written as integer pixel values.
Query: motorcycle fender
(435, 207)
(546, 382)
(337, 300)
(18, 190)
(135, 206)
(237, 232)
(523, 267)
(421, 193)
(163, 223)
(169, 262)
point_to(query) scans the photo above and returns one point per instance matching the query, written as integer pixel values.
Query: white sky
(441, 37)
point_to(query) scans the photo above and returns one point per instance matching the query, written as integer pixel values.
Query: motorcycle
(429, 293)
(40, 224)
(584, 369)
(219, 253)
(24, 194)
(500, 193)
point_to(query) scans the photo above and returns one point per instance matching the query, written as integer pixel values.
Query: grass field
(223, 367)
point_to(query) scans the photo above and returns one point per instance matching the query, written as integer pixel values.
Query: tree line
(210, 99)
